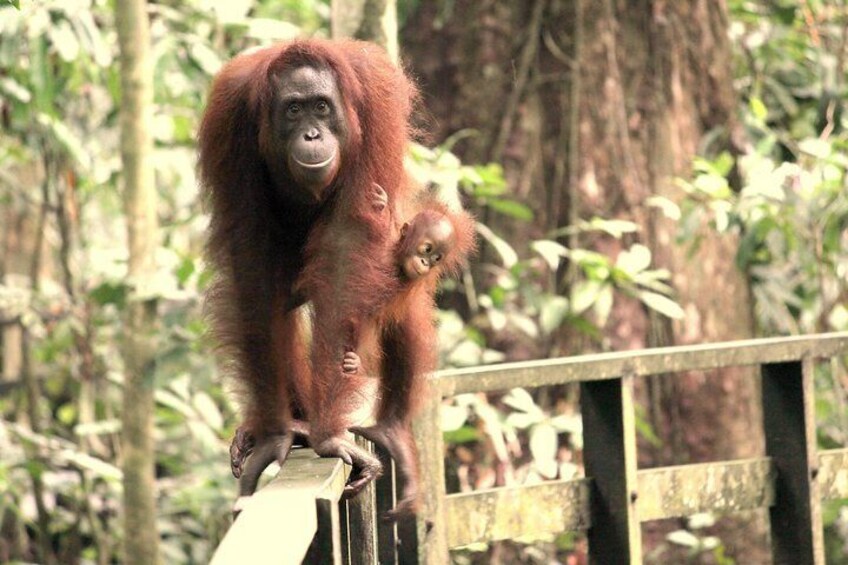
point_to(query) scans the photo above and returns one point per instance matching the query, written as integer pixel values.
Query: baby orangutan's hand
(351, 362)
(379, 198)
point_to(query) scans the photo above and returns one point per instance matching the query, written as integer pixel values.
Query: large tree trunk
(141, 539)
(593, 107)
(371, 20)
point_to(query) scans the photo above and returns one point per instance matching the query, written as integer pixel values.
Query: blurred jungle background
(644, 173)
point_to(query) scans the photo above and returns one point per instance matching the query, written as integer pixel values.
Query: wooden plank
(639, 363)
(431, 524)
(726, 486)
(505, 513)
(609, 453)
(326, 546)
(360, 535)
(789, 423)
(833, 474)
(386, 535)
(262, 528)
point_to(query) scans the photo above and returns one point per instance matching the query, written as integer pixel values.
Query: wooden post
(789, 422)
(431, 526)
(609, 451)
(326, 546)
(386, 535)
(362, 516)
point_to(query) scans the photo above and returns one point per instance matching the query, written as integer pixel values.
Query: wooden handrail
(638, 363)
(278, 524)
(298, 518)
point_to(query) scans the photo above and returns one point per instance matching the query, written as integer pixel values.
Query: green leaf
(758, 108)
(551, 251)
(603, 304)
(453, 417)
(553, 312)
(15, 3)
(64, 41)
(816, 147)
(584, 295)
(505, 250)
(543, 443)
(511, 208)
(684, 538)
(465, 434)
(519, 399)
(662, 304)
(13, 89)
(634, 260)
(669, 209)
(110, 293)
(615, 228)
(185, 270)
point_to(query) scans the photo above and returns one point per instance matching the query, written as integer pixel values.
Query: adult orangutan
(291, 134)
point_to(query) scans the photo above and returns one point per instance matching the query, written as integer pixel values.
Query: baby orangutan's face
(426, 242)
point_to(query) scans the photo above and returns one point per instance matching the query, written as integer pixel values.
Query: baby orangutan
(436, 241)
(424, 244)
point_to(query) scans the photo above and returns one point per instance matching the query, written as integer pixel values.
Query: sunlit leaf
(465, 434)
(634, 260)
(97, 466)
(510, 208)
(661, 304)
(816, 147)
(508, 255)
(268, 29)
(701, 520)
(669, 209)
(64, 41)
(603, 304)
(684, 538)
(615, 228)
(466, 354)
(524, 323)
(208, 410)
(584, 294)
(206, 58)
(100, 427)
(551, 251)
(66, 138)
(13, 89)
(520, 399)
(568, 423)
(452, 417)
(552, 313)
(543, 447)
(758, 108)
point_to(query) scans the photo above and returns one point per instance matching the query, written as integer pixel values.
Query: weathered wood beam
(639, 363)
(726, 486)
(833, 474)
(505, 513)
(289, 509)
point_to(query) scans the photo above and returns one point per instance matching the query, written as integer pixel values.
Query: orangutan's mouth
(319, 165)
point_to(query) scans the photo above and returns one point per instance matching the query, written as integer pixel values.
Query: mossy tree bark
(141, 539)
(370, 20)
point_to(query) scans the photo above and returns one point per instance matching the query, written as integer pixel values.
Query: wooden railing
(298, 517)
